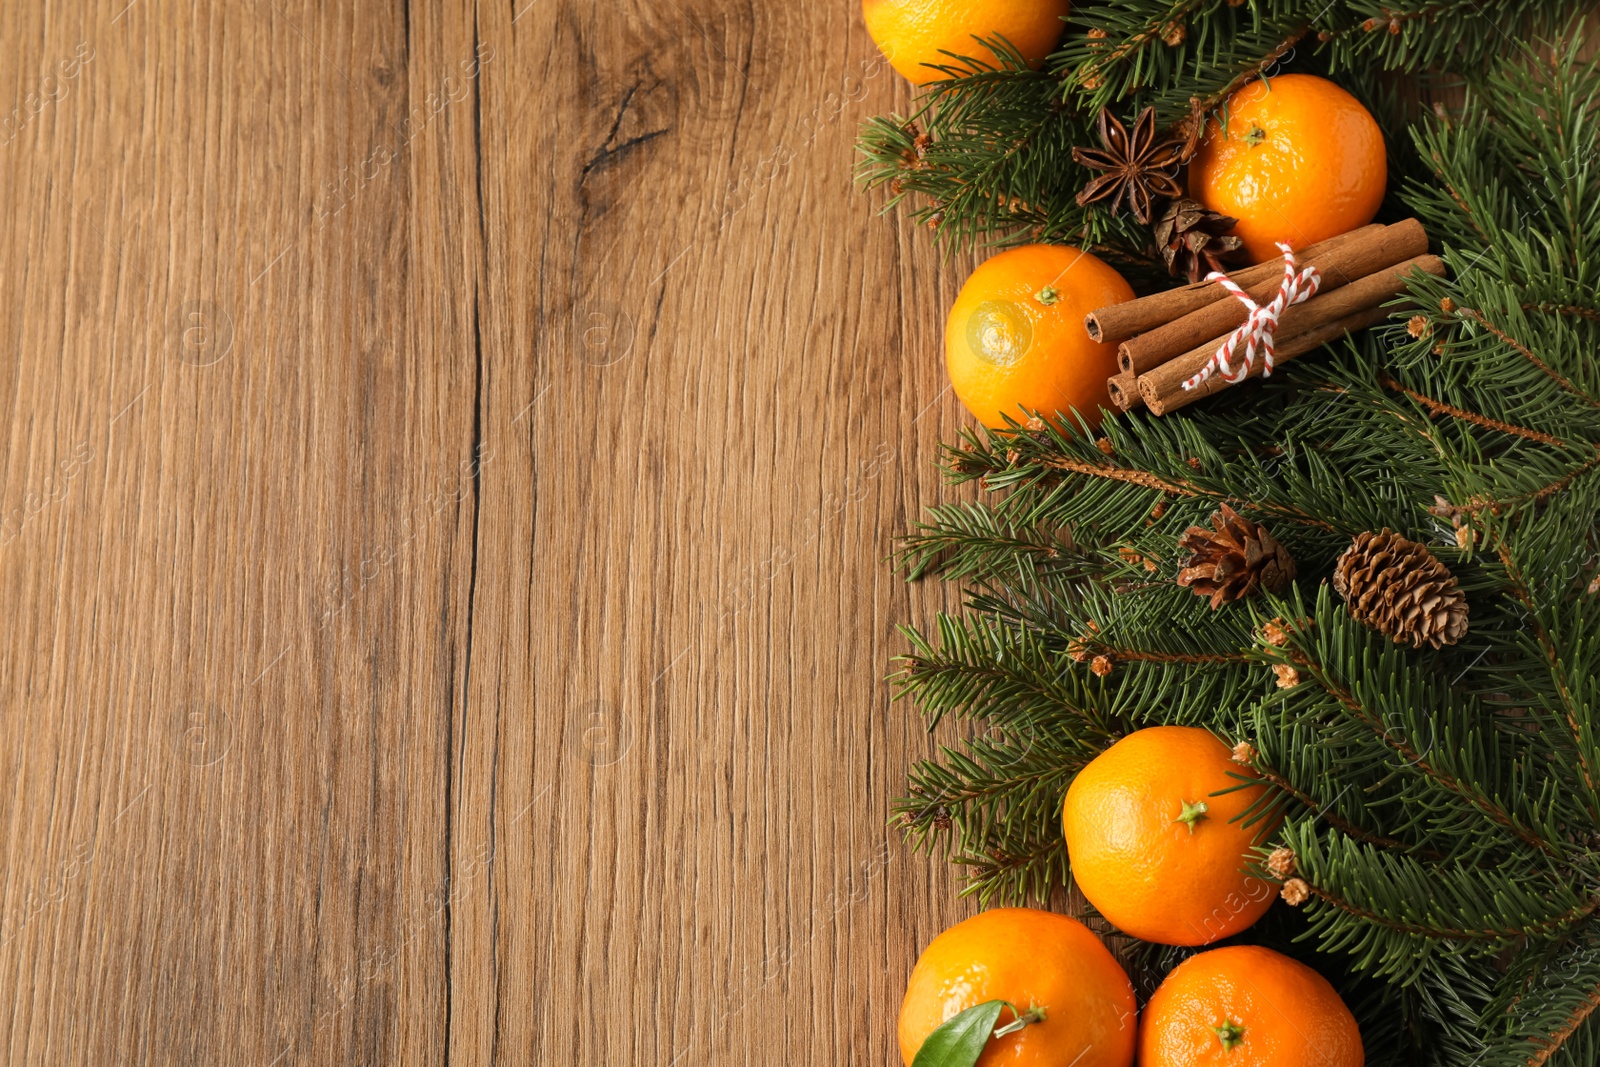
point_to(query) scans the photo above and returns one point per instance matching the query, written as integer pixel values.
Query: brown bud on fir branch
(1281, 862)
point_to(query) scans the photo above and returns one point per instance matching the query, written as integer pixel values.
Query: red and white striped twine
(1259, 327)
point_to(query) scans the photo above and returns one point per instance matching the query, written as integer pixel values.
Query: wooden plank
(456, 450)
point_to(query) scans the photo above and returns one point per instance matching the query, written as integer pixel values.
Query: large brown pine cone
(1399, 588)
(1233, 560)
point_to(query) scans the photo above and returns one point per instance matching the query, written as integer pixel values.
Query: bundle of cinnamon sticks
(1167, 338)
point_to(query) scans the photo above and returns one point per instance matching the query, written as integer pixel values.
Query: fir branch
(1119, 474)
(1461, 35)
(1482, 320)
(1015, 876)
(1203, 107)
(1583, 739)
(1120, 654)
(1318, 811)
(1549, 1046)
(1510, 932)
(1577, 310)
(1396, 742)
(1481, 504)
(1438, 407)
(971, 540)
(1178, 488)
(1399, 917)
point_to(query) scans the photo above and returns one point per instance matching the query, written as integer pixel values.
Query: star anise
(1140, 167)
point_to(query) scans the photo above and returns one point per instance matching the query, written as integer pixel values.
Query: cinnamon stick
(1301, 329)
(1367, 252)
(1118, 322)
(1124, 390)
(1298, 345)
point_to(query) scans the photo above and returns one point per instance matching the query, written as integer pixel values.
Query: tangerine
(1300, 161)
(1015, 342)
(1247, 1006)
(1032, 959)
(1154, 849)
(913, 33)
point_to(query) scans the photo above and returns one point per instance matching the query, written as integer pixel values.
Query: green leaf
(960, 1041)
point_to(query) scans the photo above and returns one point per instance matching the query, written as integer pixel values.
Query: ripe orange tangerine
(1153, 849)
(1033, 959)
(1015, 342)
(1299, 161)
(1247, 1006)
(911, 33)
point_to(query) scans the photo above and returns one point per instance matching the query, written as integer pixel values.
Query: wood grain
(447, 460)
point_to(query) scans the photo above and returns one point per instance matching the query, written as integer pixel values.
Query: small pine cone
(1281, 862)
(1105, 445)
(1418, 326)
(1101, 665)
(1295, 892)
(1194, 241)
(1244, 752)
(1288, 677)
(1276, 633)
(1233, 560)
(1400, 589)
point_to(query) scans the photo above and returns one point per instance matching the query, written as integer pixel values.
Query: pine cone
(1233, 560)
(1194, 241)
(1400, 589)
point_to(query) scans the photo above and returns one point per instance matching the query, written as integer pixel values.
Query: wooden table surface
(448, 457)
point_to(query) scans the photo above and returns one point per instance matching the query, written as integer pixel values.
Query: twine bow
(1261, 324)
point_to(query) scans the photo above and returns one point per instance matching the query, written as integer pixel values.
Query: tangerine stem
(1034, 1014)
(1192, 813)
(1230, 1033)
